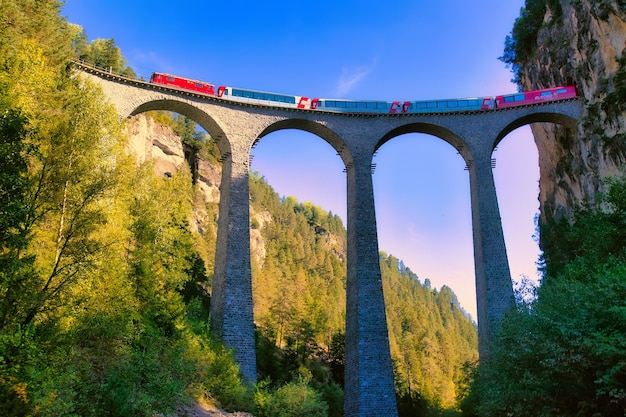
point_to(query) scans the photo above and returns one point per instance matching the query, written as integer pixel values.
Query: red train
(183, 83)
(536, 96)
(367, 106)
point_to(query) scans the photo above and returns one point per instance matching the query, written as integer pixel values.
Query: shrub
(295, 399)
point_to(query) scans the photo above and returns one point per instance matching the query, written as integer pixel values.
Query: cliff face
(581, 42)
(151, 141)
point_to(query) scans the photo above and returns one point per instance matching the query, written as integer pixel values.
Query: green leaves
(15, 211)
(291, 400)
(522, 42)
(565, 355)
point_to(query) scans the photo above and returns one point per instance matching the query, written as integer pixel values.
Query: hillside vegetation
(104, 283)
(563, 351)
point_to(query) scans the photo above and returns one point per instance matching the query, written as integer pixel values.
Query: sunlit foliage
(564, 354)
(103, 281)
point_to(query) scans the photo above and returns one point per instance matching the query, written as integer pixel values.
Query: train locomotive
(366, 106)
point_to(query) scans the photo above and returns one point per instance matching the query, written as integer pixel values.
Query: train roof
(181, 78)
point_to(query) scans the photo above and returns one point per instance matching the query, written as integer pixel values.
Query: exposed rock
(257, 242)
(209, 178)
(584, 45)
(149, 140)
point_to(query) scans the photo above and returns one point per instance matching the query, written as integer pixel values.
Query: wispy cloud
(351, 77)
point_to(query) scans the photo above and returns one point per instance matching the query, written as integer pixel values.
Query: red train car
(183, 83)
(537, 96)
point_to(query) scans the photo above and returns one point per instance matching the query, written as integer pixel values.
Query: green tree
(564, 353)
(521, 43)
(15, 214)
(102, 53)
(95, 251)
(73, 180)
(294, 399)
(16, 273)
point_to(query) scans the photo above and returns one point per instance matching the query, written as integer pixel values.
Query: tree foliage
(521, 43)
(95, 250)
(565, 353)
(103, 286)
(300, 306)
(101, 53)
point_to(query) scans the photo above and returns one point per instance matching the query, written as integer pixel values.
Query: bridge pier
(494, 288)
(369, 386)
(232, 317)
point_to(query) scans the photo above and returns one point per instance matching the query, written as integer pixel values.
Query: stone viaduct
(369, 386)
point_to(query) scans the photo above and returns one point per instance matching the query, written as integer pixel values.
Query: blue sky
(388, 50)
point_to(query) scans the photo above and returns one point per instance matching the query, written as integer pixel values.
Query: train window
(421, 105)
(520, 97)
(442, 104)
(351, 104)
(431, 104)
(473, 102)
(291, 100)
(330, 103)
(453, 103)
(340, 104)
(561, 91)
(247, 94)
(170, 79)
(361, 104)
(462, 103)
(199, 85)
(382, 105)
(546, 93)
(371, 104)
(509, 99)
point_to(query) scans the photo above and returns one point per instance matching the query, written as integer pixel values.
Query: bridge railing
(105, 70)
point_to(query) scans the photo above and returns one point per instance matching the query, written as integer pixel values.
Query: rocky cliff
(159, 144)
(580, 42)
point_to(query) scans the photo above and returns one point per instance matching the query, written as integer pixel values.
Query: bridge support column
(369, 388)
(494, 289)
(232, 317)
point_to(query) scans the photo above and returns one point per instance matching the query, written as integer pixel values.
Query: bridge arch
(562, 119)
(516, 176)
(198, 115)
(314, 127)
(515, 144)
(439, 131)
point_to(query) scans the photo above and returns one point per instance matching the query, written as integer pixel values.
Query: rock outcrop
(151, 141)
(581, 42)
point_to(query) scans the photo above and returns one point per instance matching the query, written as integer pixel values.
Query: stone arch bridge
(369, 389)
